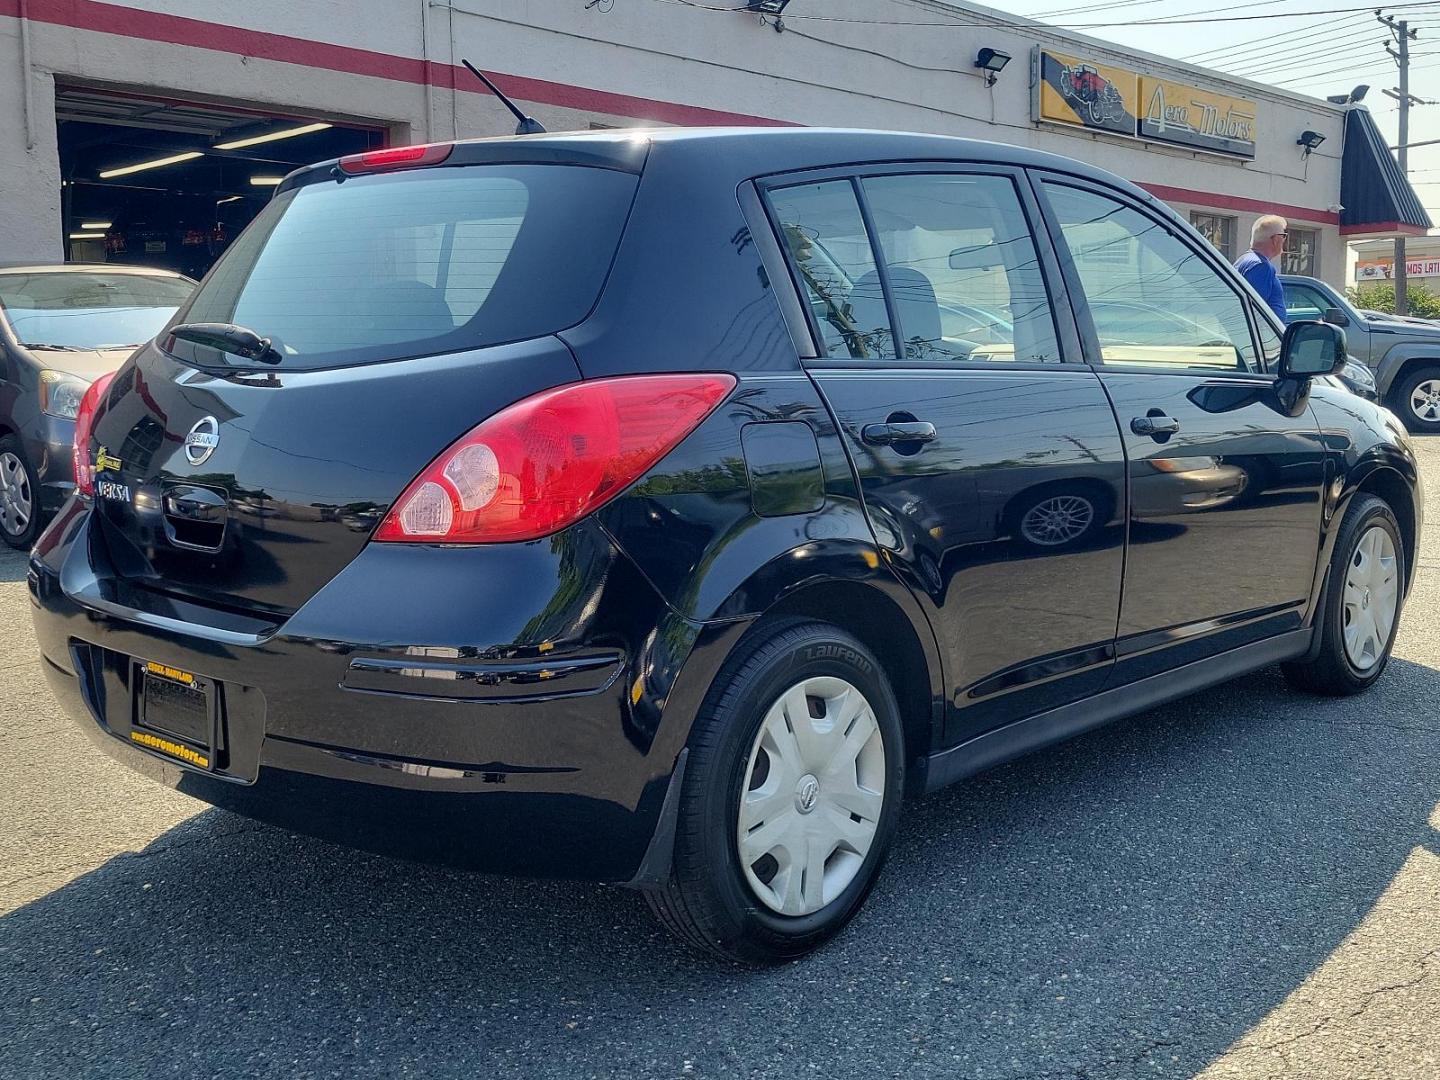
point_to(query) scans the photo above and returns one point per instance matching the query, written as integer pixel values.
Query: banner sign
(1174, 112)
(1094, 96)
(1384, 270)
(1078, 93)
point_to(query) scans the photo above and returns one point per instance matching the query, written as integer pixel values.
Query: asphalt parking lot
(1242, 884)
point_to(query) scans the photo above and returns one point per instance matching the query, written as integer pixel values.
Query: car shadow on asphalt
(1131, 902)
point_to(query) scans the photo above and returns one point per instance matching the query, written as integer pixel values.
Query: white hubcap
(814, 787)
(1372, 598)
(15, 504)
(1425, 400)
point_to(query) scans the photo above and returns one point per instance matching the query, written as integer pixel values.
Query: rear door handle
(910, 431)
(1154, 425)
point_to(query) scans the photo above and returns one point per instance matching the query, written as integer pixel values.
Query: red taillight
(398, 157)
(84, 421)
(546, 462)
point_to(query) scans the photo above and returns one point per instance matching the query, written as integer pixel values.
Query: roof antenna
(528, 124)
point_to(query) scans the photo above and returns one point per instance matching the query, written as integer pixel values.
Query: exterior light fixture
(274, 136)
(265, 181)
(87, 236)
(1309, 140)
(173, 159)
(91, 226)
(991, 62)
(1353, 98)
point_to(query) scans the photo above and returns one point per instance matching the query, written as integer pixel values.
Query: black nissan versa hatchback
(662, 507)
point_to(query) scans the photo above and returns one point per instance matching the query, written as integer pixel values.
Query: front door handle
(908, 431)
(1155, 425)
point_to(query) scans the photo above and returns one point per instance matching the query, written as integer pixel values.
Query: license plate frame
(176, 715)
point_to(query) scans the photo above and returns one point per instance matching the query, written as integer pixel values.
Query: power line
(1357, 50)
(1183, 20)
(1367, 37)
(1260, 44)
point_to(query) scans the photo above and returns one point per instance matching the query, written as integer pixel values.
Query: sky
(1318, 47)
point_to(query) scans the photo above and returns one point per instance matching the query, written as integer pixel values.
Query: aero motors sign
(1080, 93)
(1174, 112)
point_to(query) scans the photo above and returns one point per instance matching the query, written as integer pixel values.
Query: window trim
(1081, 303)
(1067, 332)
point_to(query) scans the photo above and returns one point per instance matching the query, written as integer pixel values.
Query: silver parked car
(60, 328)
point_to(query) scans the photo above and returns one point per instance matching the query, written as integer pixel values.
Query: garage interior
(160, 182)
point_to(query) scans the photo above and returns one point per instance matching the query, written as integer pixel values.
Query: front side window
(1269, 340)
(1155, 302)
(964, 273)
(1303, 302)
(1218, 229)
(825, 238)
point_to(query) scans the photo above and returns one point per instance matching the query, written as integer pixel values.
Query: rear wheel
(1416, 398)
(790, 798)
(1361, 615)
(19, 496)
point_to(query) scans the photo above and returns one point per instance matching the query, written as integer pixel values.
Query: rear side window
(964, 274)
(419, 262)
(832, 256)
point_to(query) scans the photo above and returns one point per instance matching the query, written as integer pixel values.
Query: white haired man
(1258, 265)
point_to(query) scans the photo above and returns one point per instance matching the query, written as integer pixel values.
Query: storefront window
(1218, 229)
(1302, 252)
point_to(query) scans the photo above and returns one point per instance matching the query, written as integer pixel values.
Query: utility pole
(1403, 36)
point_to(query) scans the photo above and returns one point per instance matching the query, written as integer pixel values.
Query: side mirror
(1310, 349)
(1335, 317)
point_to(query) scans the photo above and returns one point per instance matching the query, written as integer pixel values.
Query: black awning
(1375, 194)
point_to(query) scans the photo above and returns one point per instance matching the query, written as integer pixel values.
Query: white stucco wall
(860, 75)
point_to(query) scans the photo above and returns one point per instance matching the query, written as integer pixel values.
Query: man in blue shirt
(1267, 242)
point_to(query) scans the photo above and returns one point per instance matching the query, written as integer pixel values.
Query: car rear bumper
(521, 732)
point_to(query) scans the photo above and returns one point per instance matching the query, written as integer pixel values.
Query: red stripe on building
(1237, 202)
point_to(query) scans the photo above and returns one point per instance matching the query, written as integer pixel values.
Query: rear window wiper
(228, 338)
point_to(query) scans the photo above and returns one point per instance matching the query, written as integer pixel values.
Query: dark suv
(661, 508)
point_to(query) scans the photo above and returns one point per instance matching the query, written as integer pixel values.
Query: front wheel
(1416, 398)
(19, 496)
(790, 798)
(1361, 613)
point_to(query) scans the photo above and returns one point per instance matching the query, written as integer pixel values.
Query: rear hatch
(402, 307)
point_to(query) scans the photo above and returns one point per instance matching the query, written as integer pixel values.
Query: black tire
(24, 538)
(1331, 671)
(1401, 404)
(707, 901)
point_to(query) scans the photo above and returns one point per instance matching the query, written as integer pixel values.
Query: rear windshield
(419, 262)
(75, 309)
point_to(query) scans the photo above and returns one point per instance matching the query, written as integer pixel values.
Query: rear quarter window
(420, 262)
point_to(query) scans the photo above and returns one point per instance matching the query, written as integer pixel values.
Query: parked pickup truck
(1403, 354)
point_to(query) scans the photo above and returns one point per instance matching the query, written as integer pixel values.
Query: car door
(1225, 478)
(988, 455)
